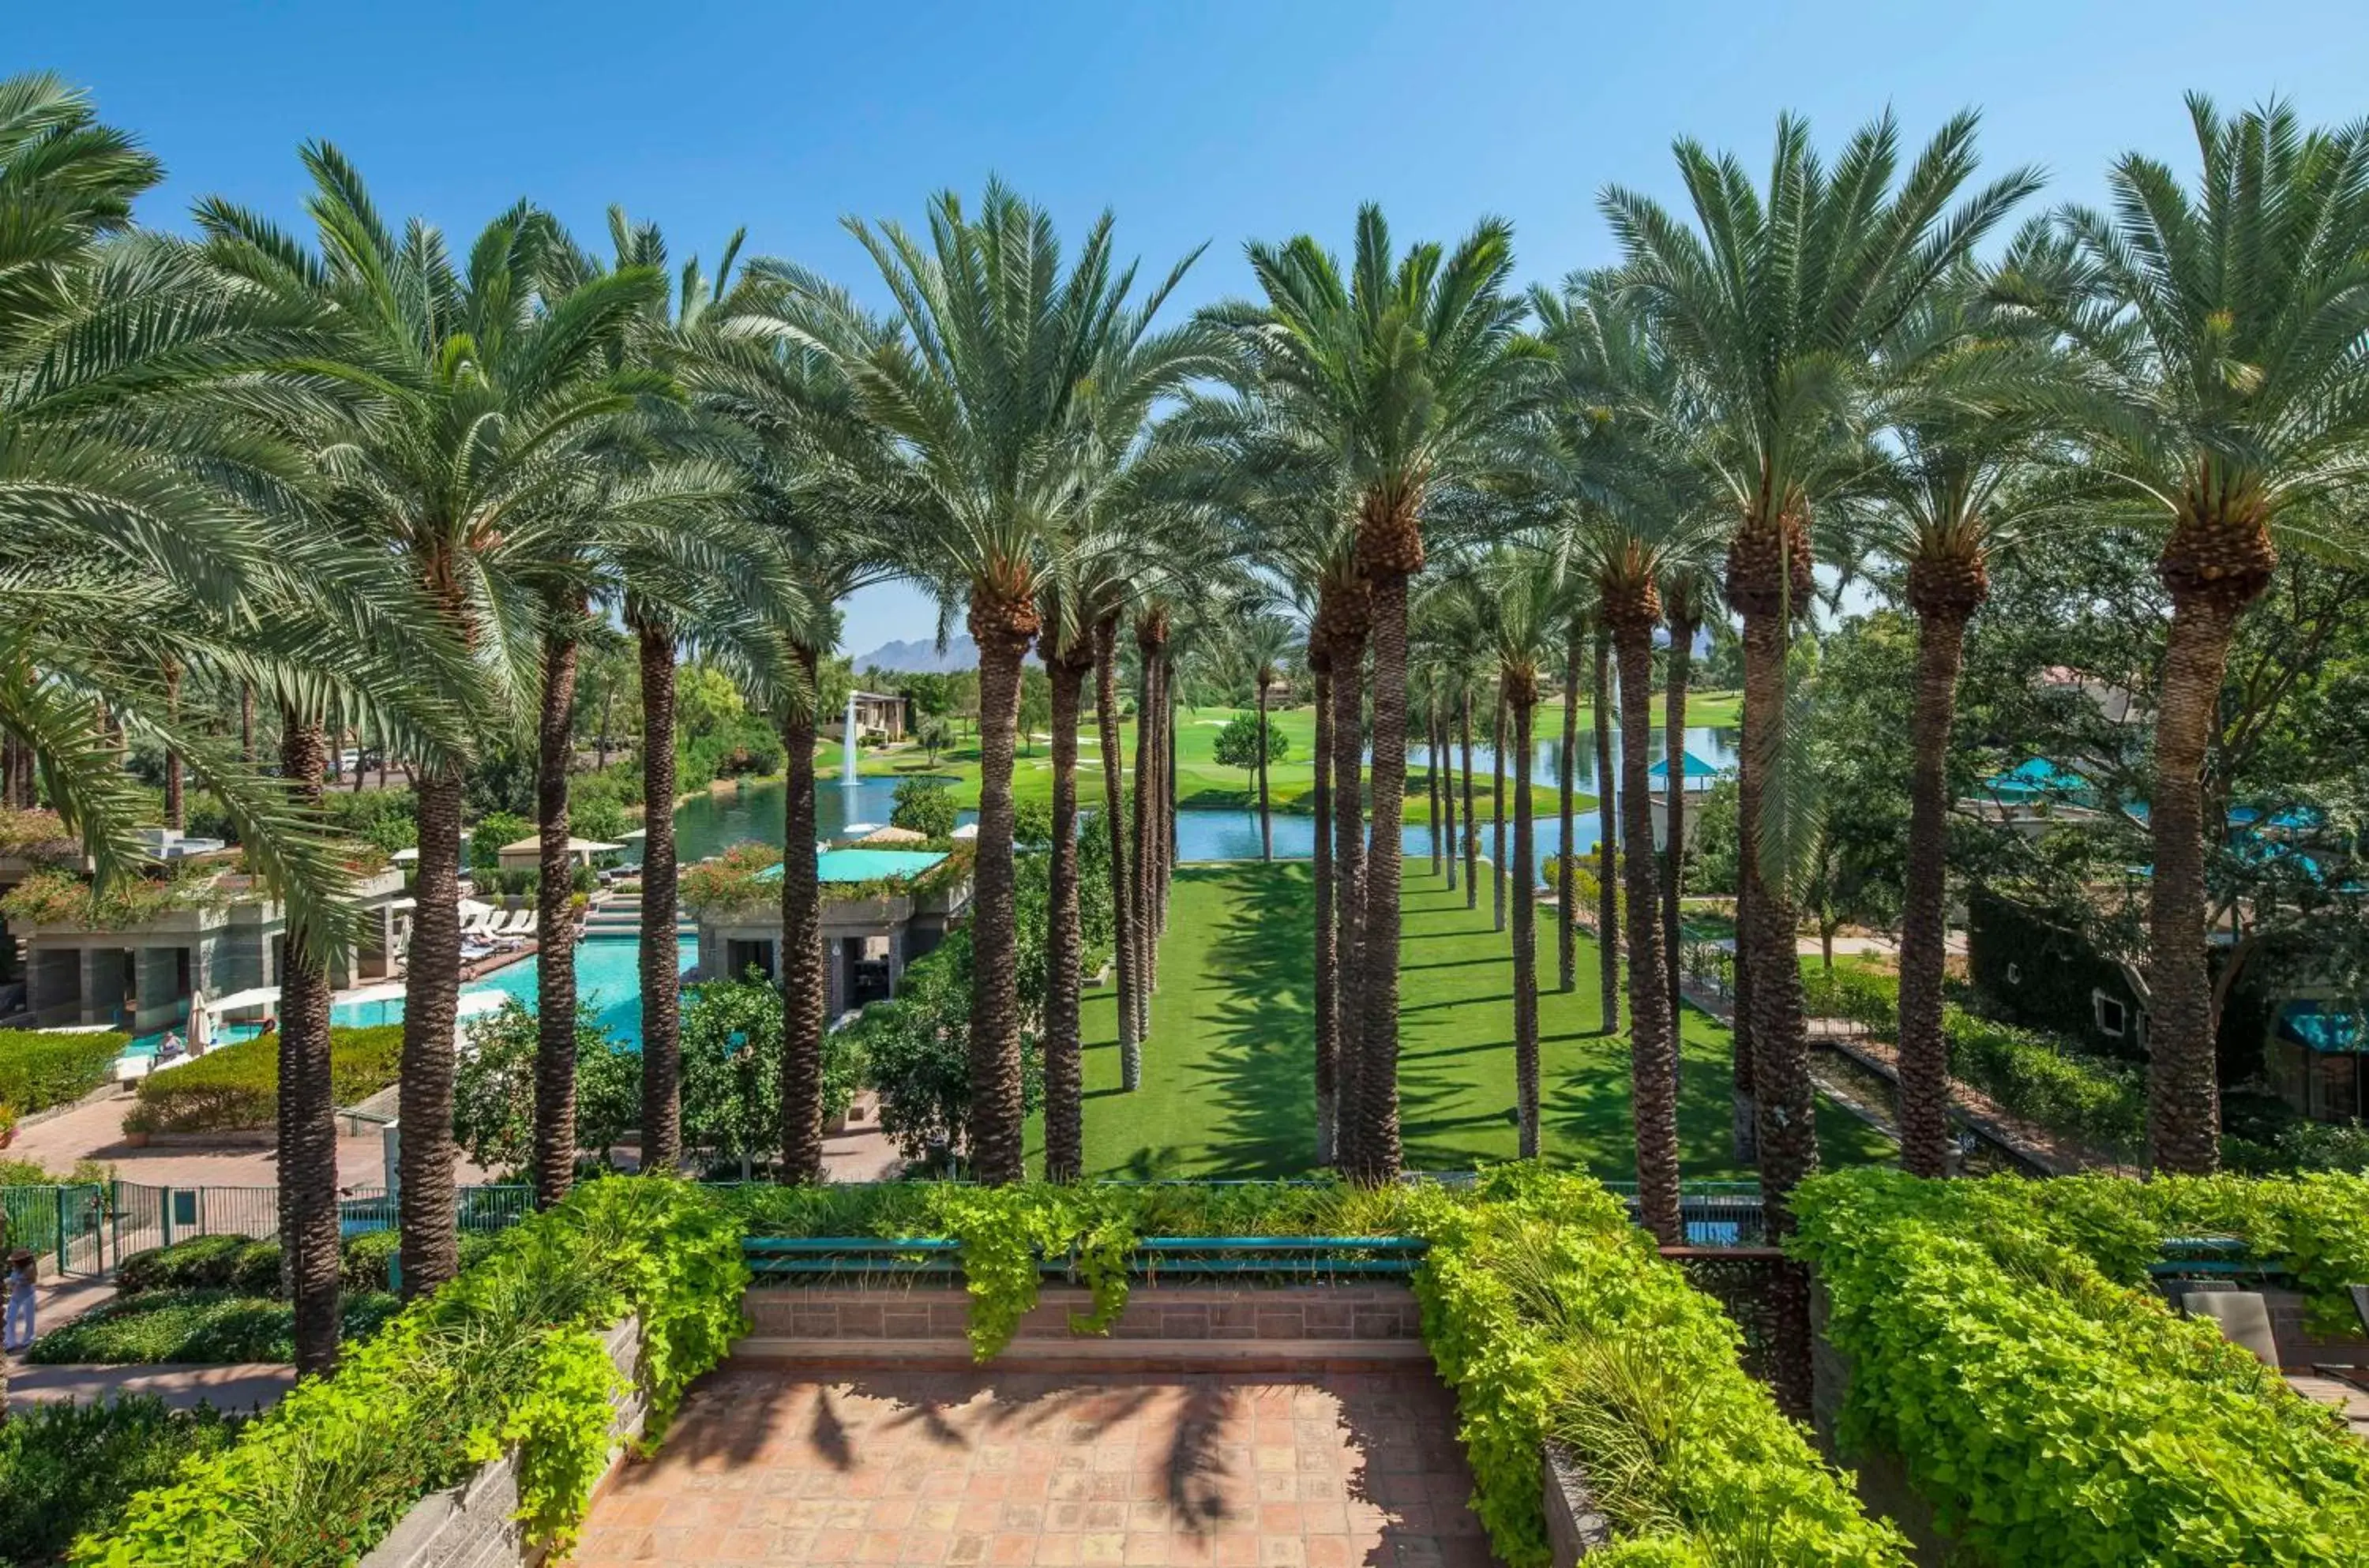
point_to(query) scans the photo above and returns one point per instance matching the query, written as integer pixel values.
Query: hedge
(41, 1068)
(2040, 1077)
(2053, 1408)
(250, 1266)
(1552, 1317)
(238, 1086)
(65, 1467)
(1550, 1314)
(510, 1355)
(196, 1327)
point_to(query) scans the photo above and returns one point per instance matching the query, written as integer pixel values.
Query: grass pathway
(1227, 1072)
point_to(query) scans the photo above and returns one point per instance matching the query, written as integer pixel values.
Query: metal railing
(64, 1222)
(1153, 1257)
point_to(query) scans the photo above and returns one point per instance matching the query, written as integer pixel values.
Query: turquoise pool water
(607, 982)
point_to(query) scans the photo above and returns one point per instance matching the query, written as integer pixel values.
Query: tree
(985, 392)
(1413, 371)
(2217, 338)
(494, 1089)
(1769, 312)
(732, 1034)
(483, 400)
(935, 735)
(1238, 744)
(925, 806)
(1259, 643)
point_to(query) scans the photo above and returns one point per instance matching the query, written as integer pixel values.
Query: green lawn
(1201, 781)
(1227, 1072)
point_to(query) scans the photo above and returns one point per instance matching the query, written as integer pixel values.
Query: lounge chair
(522, 923)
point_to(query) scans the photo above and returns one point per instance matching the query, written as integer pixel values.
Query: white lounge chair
(522, 923)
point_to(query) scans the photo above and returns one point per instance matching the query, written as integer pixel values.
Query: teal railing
(1305, 1257)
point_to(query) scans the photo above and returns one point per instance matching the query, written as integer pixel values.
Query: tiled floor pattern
(1347, 1470)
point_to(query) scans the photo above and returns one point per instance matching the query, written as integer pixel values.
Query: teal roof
(1696, 768)
(865, 866)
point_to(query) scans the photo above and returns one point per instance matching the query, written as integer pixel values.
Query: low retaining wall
(472, 1525)
(1164, 1327)
(1575, 1528)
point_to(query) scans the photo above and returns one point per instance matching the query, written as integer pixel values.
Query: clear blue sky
(1196, 122)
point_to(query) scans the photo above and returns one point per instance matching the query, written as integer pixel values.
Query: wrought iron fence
(141, 1216)
(63, 1222)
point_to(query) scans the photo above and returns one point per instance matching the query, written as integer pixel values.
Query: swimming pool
(607, 982)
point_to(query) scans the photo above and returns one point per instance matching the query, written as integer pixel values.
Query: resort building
(881, 910)
(213, 936)
(880, 714)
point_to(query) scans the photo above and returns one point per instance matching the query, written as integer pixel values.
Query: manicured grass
(1229, 1070)
(1200, 781)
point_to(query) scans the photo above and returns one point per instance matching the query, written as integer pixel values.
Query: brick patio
(775, 1466)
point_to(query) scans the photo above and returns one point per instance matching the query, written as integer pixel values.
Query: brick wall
(1162, 1324)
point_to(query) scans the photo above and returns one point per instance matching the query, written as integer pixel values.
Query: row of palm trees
(387, 487)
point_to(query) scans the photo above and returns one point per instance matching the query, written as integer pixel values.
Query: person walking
(20, 1332)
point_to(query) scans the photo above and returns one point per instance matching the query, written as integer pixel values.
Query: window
(2112, 1017)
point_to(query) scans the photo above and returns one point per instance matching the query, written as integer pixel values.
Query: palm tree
(986, 391)
(1961, 425)
(1515, 611)
(1770, 313)
(2218, 337)
(1413, 368)
(1609, 851)
(1263, 643)
(1683, 592)
(486, 405)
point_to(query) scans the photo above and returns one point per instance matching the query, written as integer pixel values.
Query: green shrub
(509, 1356)
(1857, 993)
(240, 1264)
(1552, 1317)
(199, 1326)
(2031, 1075)
(238, 1086)
(925, 805)
(66, 1467)
(40, 1068)
(2053, 1409)
(493, 830)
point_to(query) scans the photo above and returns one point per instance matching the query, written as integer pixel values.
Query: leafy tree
(1238, 744)
(732, 1071)
(493, 1090)
(925, 806)
(492, 832)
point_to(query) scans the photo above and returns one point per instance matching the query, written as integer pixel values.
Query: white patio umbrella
(201, 1022)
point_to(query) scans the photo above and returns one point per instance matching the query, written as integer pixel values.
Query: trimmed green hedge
(508, 1356)
(2040, 1077)
(41, 1068)
(2048, 1403)
(207, 1327)
(238, 1086)
(250, 1266)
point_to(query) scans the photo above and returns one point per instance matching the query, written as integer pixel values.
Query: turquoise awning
(865, 866)
(2329, 1026)
(1696, 768)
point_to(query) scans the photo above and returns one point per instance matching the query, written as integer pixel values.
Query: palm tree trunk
(1167, 784)
(1445, 759)
(176, 815)
(1147, 857)
(1566, 778)
(1924, 1053)
(1266, 820)
(1431, 749)
(1607, 847)
(1744, 1108)
(661, 1116)
(246, 723)
(1471, 825)
(308, 1108)
(1377, 949)
(424, 1202)
(1674, 743)
(1328, 948)
(1787, 1132)
(1522, 687)
(1065, 1130)
(1122, 887)
(1652, 1036)
(1349, 885)
(799, 968)
(1497, 812)
(1002, 631)
(2183, 1089)
(554, 900)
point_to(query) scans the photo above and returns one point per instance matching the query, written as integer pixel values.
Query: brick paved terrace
(1242, 1469)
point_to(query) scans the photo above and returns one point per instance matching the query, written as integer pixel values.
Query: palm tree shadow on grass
(1259, 1067)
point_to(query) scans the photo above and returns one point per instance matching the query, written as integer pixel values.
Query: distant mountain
(921, 657)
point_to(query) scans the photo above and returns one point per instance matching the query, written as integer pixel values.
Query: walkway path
(239, 1386)
(766, 1466)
